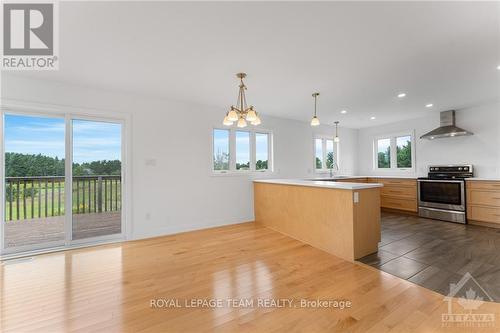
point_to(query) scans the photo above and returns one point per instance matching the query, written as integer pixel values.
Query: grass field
(43, 200)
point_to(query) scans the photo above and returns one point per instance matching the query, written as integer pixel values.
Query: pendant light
(336, 138)
(315, 120)
(241, 113)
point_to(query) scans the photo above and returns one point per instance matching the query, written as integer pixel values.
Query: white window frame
(253, 150)
(336, 153)
(393, 158)
(232, 151)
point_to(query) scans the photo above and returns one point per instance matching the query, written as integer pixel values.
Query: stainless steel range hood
(447, 128)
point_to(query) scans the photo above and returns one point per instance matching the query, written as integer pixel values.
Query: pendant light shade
(256, 121)
(241, 113)
(232, 115)
(251, 115)
(315, 119)
(226, 121)
(241, 123)
(336, 138)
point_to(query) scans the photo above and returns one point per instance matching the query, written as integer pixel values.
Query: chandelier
(241, 113)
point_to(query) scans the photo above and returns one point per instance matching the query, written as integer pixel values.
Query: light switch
(356, 197)
(150, 162)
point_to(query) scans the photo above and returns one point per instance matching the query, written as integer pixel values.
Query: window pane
(242, 150)
(34, 198)
(261, 151)
(329, 154)
(221, 149)
(403, 147)
(318, 147)
(97, 181)
(384, 153)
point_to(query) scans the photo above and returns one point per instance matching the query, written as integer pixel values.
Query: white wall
(482, 149)
(179, 192)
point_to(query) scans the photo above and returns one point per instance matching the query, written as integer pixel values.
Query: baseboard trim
(405, 212)
(174, 230)
(484, 224)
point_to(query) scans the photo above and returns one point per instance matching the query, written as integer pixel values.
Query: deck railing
(38, 197)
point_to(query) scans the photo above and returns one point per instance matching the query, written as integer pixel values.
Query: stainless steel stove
(441, 195)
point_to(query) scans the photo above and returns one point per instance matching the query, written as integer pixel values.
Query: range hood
(447, 127)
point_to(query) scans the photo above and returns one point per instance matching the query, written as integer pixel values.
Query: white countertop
(354, 177)
(319, 183)
(484, 179)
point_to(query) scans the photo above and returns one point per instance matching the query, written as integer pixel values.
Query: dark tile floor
(435, 254)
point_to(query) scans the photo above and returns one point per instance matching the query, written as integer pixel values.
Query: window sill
(407, 172)
(241, 173)
(322, 171)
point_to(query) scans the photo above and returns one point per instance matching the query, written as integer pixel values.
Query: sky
(383, 144)
(92, 141)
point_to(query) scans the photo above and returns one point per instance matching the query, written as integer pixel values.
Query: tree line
(30, 165)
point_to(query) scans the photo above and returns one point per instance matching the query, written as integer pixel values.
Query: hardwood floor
(435, 254)
(110, 289)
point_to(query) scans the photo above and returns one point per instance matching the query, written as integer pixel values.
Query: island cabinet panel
(398, 193)
(483, 202)
(345, 223)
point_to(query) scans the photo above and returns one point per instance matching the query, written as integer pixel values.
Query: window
(329, 154)
(318, 143)
(403, 149)
(394, 152)
(221, 150)
(235, 150)
(325, 154)
(384, 153)
(261, 151)
(242, 150)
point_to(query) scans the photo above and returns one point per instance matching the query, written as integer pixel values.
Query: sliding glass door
(97, 169)
(62, 181)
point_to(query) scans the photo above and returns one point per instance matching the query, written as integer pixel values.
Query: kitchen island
(342, 218)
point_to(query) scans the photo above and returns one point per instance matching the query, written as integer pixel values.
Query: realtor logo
(470, 296)
(29, 36)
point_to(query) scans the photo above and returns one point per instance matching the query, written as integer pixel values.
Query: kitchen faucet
(333, 166)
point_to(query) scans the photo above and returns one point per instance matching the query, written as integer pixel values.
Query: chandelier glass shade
(241, 113)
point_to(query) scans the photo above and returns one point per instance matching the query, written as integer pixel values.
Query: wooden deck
(112, 288)
(39, 231)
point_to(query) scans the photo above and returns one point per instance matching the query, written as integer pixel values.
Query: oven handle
(440, 181)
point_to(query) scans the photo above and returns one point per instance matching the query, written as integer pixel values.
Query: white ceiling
(358, 55)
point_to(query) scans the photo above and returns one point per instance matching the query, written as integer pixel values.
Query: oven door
(444, 194)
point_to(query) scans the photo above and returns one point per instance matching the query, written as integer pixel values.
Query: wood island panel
(322, 217)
